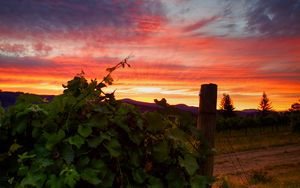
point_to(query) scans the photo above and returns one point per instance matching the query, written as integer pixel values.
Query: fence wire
(235, 161)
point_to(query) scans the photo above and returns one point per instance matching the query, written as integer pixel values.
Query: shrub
(85, 138)
(295, 121)
(260, 176)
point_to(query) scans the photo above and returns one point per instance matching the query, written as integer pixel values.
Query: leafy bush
(85, 138)
(295, 121)
(273, 119)
(260, 176)
(224, 182)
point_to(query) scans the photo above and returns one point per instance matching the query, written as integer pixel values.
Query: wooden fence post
(207, 122)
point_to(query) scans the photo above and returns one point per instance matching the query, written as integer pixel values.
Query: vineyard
(213, 100)
(86, 138)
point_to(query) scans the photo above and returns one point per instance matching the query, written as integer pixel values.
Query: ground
(260, 159)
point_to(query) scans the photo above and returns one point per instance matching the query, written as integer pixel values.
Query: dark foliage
(85, 138)
(227, 106)
(265, 105)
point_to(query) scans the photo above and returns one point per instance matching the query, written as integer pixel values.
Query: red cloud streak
(169, 61)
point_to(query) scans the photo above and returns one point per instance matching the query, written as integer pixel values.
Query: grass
(238, 141)
(280, 176)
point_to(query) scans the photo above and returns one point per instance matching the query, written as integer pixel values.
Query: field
(84, 137)
(261, 159)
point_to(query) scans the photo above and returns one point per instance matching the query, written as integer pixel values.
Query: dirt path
(240, 162)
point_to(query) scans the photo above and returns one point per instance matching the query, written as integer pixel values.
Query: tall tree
(227, 106)
(265, 104)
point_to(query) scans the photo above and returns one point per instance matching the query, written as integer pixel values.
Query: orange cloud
(168, 62)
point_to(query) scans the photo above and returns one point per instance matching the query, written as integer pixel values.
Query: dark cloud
(199, 24)
(55, 16)
(274, 18)
(24, 62)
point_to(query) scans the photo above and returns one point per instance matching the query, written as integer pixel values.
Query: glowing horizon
(177, 46)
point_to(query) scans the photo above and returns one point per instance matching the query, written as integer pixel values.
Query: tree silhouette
(162, 102)
(265, 105)
(295, 116)
(227, 106)
(295, 107)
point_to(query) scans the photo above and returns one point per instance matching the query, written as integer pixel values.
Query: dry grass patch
(237, 140)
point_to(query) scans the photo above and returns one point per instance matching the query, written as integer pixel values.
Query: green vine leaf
(155, 122)
(100, 85)
(13, 148)
(189, 163)
(95, 142)
(33, 180)
(54, 138)
(176, 178)
(70, 176)
(108, 80)
(154, 183)
(91, 175)
(111, 69)
(68, 153)
(54, 182)
(76, 140)
(84, 161)
(84, 130)
(97, 121)
(136, 138)
(178, 135)
(20, 126)
(44, 162)
(36, 132)
(11, 180)
(23, 170)
(139, 175)
(25, 156)
(114, 147)
(99, 165)
(199, 182)
(108, 179)
(135, 158)
(2, 111)
(161, 151)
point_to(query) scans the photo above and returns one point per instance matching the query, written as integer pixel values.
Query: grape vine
(86, 138)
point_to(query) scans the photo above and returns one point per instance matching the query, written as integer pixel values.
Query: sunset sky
(245, 47)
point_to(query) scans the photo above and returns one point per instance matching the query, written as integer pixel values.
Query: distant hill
(145, 106)
(9, 98)
(246, 112)
(184, 107)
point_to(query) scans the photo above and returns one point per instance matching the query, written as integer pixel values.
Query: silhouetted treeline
(272, 119)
